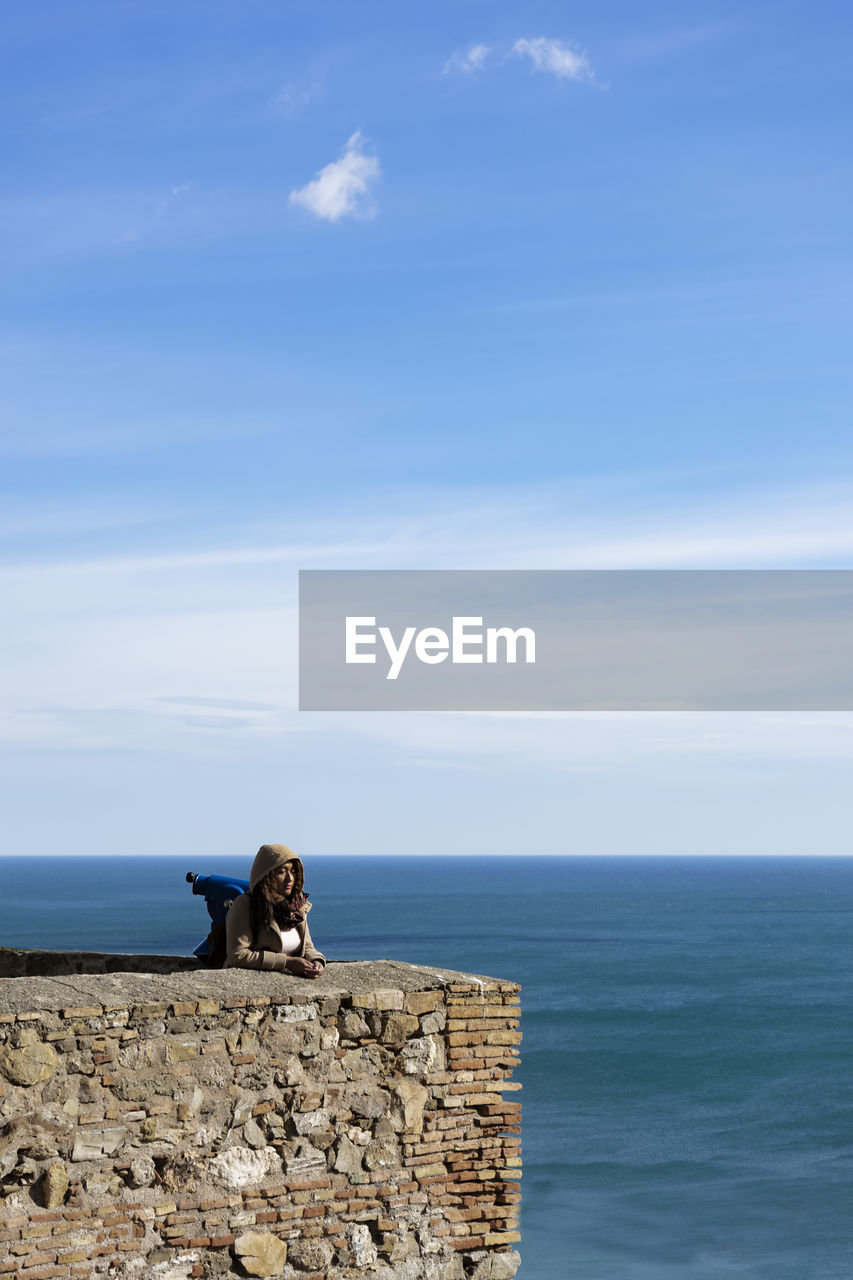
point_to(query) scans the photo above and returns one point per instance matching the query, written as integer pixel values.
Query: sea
(687, 1061)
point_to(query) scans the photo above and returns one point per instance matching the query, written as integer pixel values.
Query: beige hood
(270, 856)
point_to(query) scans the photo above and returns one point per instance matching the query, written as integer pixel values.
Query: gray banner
(660, 640)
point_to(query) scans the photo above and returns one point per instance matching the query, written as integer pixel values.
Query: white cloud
(177, 674)
(344, 187)
(591, 523)
(470, 60)
(554, 56)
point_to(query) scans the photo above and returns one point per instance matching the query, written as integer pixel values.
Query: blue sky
(368, 286)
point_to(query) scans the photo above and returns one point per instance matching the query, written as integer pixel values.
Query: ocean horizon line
(451, 857)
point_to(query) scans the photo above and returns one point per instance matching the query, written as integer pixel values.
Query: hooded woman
(267, 927)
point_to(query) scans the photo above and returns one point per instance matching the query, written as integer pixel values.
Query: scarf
(290, 912)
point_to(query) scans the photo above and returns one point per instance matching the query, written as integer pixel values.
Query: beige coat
(264, 951)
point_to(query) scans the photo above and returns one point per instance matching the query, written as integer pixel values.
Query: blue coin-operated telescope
(218, 893)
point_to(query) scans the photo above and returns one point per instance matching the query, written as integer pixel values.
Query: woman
(267, 928)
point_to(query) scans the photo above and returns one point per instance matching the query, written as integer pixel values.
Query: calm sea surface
(688, 1032)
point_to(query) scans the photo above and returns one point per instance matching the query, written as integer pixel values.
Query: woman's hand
(305, 968)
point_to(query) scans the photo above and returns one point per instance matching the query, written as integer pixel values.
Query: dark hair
(260, 908)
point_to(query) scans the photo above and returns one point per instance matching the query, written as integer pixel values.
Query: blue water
(688, 1032)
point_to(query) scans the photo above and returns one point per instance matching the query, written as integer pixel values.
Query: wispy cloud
(593, 524)
(468, 60)
(221, 704)
(174, 194)
(145, 652)
(164, 204)
(555, 57)
(343, 188)
(292, 99)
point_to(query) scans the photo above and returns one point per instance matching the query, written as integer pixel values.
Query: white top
(290, 941)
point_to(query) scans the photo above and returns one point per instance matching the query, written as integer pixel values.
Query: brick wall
(209, 1124)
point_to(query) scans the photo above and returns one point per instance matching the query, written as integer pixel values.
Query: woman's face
(281, 881)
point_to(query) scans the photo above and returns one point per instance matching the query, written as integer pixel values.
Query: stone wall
(228, 1123)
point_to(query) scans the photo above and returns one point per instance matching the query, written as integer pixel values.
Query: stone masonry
(232, 1123)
